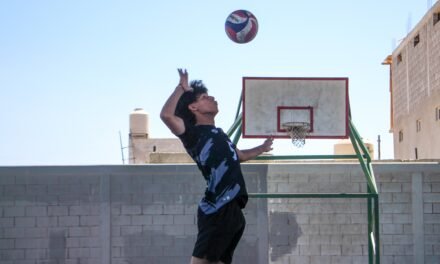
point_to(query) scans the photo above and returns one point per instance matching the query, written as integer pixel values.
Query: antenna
(429, 4)
(122, 148)
(409, 23)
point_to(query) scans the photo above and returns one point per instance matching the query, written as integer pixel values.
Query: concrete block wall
(334, 231)
(147, 214)
(416, 91)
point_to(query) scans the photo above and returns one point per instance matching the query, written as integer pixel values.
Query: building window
(418, 125)
(437, 113)
(436, 18)
(416, 152)
(399, 58)
(400, 136)
(416, 40)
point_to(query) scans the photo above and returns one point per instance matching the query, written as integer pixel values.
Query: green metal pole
(370, 176)
(239, 105)
(370, 180)
(312, 195)
(292, 157)
(237, 135)
(376, 228)
(234, 126)
(357, 135)
(370, 230)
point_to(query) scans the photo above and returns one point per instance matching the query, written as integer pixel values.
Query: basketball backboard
(268, 103)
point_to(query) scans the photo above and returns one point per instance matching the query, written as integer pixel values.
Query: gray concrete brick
(319, 239)
(329, 229)
(330, 250)
(36, 254)
(435, 187)
(130, 230)
(395, 229)
(13, 190)
(431, 197)
(436, 208)
(402, 197)
(13, 211)
(36, 211)
(402, 239)
(142, 220)
(28, 243)
(36, 189)
(90, 242)
(68, 221)
(402, 218)
(121, 220)
(397, 250)
(143, 198)
(351, 250)
(47, 221)
(131, 210)
(83, 210)
(25, 221)
(36, 232)
(432, 239)
(78, 252)
(9, 255)
(57, 211)
(279, 240)
(79, 231)
(174, 230)
(6, 243)
(432, 259)
(300, 260)
(309, 250)
(190, 230)
(155, 209)
(86, 220)
(184, 220)
(13, 233)
(173, 209)
(162, 219)
(431, 218)
(396, 208)
(394, 187)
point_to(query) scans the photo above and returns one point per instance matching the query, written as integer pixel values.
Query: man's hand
(247, 154)
(267, 144)
(184, 80)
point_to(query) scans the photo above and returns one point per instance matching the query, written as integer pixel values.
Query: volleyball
(241, 26)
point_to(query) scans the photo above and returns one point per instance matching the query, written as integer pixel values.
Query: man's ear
(192, 107)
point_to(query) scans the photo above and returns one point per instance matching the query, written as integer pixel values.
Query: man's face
(205, 104)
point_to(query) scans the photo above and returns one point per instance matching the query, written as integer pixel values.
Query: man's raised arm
(173, 122)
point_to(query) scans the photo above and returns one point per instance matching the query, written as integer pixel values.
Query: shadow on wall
(284, 234)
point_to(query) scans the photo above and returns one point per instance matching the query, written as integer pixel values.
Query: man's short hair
(188, 98)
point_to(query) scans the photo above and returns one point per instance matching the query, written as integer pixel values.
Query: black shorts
(219, 233)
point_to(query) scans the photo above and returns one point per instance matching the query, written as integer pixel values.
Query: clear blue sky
(72, 71)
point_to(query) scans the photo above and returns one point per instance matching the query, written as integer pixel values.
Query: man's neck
(205, 120)
(206, 123)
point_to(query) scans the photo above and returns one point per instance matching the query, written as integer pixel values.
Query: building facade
(415, 91)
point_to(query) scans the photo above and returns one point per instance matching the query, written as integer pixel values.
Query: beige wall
(416, 91)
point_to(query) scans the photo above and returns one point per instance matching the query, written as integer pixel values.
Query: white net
(298, 132)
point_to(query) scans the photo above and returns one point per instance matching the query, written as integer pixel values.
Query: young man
(189, 113)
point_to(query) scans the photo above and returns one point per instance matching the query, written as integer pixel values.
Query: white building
(415, 90)
(143, 149)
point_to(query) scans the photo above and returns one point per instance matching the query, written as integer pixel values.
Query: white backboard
(270, 102)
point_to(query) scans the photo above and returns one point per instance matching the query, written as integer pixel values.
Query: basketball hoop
(298, 132)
